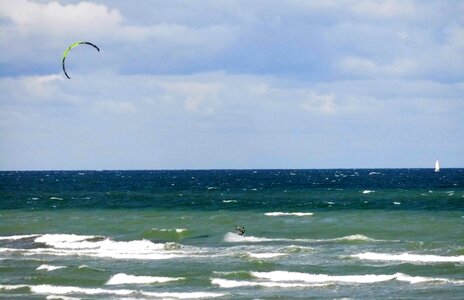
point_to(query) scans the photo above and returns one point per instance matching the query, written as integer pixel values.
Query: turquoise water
(322, 234)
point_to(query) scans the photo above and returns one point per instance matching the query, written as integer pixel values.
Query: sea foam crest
(122, 278)
(297, 214)
(97, 246)
(50, 267)
(227, 283)
(54, 290)
(18, 237)
(235, 238)
(284, 276)
(368, 192)
(355, 237)
(407, 257)
(265, 255)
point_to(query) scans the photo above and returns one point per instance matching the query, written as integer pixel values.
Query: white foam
(397, 203)
(96, 246)
(265, 255)
(56, 198)
(50, 268)
(60, 297)
(55, 291)
(177, 230)
(6, 287)
(229, 201)
(354, 237)
(122, 278)
(89, 267)
(297, 214)
(18, 237)
(231, 237)
(368, 192)
(284, 276)
(235, 238)
(407, 257)
(227, 283)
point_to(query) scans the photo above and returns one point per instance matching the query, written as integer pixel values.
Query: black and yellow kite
(69, 49)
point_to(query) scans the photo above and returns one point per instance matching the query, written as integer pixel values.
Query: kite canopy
(69, 49)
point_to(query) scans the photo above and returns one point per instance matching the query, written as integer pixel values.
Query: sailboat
(437, 166)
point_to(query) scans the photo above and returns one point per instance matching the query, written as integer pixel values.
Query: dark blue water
(416, 189)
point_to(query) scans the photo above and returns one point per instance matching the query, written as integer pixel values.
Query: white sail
(437, 166)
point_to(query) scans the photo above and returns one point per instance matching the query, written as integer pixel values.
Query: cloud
(324, 104)
(385, 8)
(52, 18)
(203, 120)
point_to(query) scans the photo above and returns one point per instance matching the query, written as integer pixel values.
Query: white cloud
(324, 104)
(87, 19)
(384, 8)
(181, 118)
(366, 68)
(53, 18)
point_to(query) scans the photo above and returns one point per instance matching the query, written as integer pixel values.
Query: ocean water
(310, 234)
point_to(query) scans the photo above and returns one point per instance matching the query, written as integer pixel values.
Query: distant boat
(437, 166)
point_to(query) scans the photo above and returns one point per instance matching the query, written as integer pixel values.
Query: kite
(69, 49)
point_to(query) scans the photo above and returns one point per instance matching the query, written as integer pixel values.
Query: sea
(171, 234)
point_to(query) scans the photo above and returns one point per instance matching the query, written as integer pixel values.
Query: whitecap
(355, 237)
(265, 255)
(368, 192)
(122, 278)
(229, 201)
(298, 214)
(50, 267)
(56, 198)
(60, 297)
(284, 276)
(407, 257)
(227, 283)
(18, 237)
(89, 267)
(97, 246)
(231, 237)
(54, 290)
(235, 238)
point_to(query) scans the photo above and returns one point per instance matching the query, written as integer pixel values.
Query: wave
(50, 268)
(284, 276)
(355, 237)
(286, 279)
(280, 214)
(265, 255)
(122, 278)
(104, 247)
(227, 283)
(18, 237)
(59, 297)
(45, 289)
(176, 230)
(231, 237)
(90, 268)
(407, 257)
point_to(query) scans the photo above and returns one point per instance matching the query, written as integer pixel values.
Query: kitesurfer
(240, 230)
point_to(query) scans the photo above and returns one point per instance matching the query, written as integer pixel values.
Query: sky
(231, 84)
